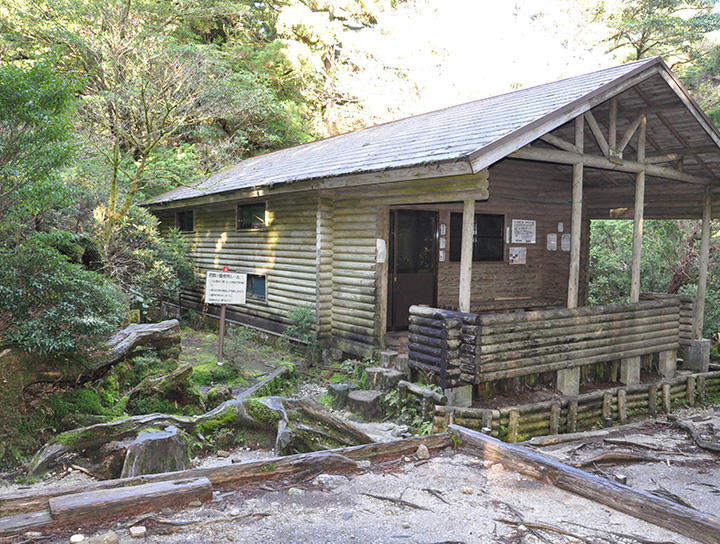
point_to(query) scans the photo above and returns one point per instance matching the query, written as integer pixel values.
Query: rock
(195, 504)
(76, 539)
(107, 538)
(330, 481)
(339, 392)
(217, 395)
(406, 525)
(467, 491)
(365, 403)
(295, 491)
(399, 431)
(422, 452)
(365, 463)
(224, 454)
(138, 531)
(33, 534)
(153, 452)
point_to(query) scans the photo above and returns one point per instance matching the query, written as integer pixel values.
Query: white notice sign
(552, 241)
(565, 242)
(523, 231)
(225, 288)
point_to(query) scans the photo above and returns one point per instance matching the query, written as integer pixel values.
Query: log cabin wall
(284, 253)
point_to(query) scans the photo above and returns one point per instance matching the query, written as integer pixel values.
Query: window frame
(239, 216)
(252, 296)
(178, 222)
(454, 256)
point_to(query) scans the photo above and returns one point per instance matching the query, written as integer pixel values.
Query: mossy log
(300, 425)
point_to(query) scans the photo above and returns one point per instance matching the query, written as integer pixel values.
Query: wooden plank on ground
(685, 521)
(22, 522)
(134, 499)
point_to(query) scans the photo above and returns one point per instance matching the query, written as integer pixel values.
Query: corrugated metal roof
(448, 135)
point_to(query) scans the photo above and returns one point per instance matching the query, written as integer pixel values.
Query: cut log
(134, 499)
(421, 392)
(685, 521)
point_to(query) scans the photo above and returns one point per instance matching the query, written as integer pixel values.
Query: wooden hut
(476, 208)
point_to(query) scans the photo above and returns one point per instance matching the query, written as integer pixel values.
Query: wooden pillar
(638, 217)
(324, 263)
(381, 273)
(466, 255)
(576, 220)
(703, 266)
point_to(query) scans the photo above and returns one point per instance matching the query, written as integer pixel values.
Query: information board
(523, 231)
(225, 288)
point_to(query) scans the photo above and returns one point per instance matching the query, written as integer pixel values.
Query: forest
(104, 105)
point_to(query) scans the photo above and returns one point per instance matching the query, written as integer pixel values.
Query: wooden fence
(591, 410)
(463, 348)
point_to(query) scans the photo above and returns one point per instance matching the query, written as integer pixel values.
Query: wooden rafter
(603, 163)
(599, 137)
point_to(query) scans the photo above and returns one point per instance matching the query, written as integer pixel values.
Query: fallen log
(159, 335)
(138, 499)
(615, 457)
(240, 473)
(699, 440)
(685, 521)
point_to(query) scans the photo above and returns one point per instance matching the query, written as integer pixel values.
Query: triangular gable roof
(480, 132)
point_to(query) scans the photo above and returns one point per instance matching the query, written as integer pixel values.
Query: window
(487, 240)
(251, 216)
(185, 221)
(256, 287)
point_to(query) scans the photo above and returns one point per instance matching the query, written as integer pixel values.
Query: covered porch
(645, 152)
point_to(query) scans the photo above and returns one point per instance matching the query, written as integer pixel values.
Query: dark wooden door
(412, 264)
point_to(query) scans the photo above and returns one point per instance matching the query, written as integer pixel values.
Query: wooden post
(667, 399)
(622, 406)
(576, 219)
(691, 391)
(652, 400)
(555, 418)
(572, 416)
(703, 266)
(221, 340)
(701, 389)
(513, 424)
(638, 217)
(607, 409)
(466, 255)
(612, 124)
(381, 275)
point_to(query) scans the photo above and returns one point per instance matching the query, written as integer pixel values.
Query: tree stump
(365, 403)
(154, 452)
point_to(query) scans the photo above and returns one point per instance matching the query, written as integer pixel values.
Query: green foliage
(146, 266)
(211, 374)
(673, 29)
(72, 408)
(36, 142)
(50, 305)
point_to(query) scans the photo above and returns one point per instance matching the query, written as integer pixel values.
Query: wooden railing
(465, 348)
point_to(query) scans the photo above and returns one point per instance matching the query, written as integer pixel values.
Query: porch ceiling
(675, 139)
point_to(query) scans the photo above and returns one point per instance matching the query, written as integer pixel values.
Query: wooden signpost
(224, 288)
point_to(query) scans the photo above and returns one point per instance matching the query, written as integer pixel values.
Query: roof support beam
(602, 163)
(595, 129)
(638, 219)
(576, 219)
(630, 132)
(612, 131)
(560, 143)
(703, 265)
(466, 255)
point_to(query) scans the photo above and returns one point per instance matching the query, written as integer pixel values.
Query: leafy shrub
(50, 305)
(302, 319)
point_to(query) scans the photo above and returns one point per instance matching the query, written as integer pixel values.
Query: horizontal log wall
(591, 410)
(512, 345)
(687, 309)
(284, 252)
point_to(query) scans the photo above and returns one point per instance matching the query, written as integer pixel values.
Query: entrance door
(412, 264)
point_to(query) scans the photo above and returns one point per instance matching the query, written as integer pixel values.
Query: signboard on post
(225, 288)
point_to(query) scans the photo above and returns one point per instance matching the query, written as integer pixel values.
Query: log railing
(616, 405)
(463, 348)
